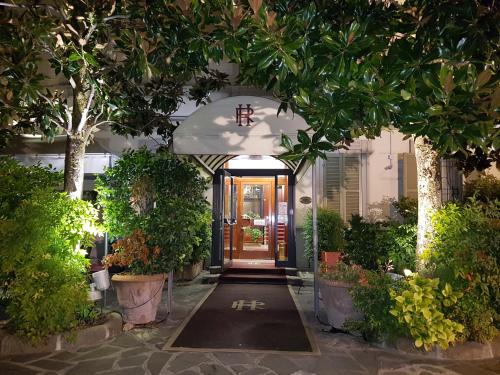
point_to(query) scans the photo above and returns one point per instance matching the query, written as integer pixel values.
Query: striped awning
(214, 162)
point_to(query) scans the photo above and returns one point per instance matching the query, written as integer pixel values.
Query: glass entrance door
(229, 207)
(256, 217)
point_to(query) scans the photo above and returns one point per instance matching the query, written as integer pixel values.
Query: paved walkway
(139, 352)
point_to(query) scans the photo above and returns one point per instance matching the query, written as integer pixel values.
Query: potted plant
(201, 249)
(330, 235)
(139, 289)
(154, 203)
(335, 283)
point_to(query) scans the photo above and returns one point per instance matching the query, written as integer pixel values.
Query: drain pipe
(315, 238)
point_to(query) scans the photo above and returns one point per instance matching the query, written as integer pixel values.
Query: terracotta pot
(189, 271)
(331, 258)
(139, 296)
(338, 302)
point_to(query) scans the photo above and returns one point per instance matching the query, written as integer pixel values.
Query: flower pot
(139, 296)
(331, 258)
(338, 302)
(189, 271)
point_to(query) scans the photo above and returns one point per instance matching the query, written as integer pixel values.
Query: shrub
(419, 309)
(407, 208)
(344, 272)
(330, 232)
(465, 252)
(367, 244)
(374, 301)
(402, 245)
(484, 188)
(47, 285)
(20, 182)
(161, 195)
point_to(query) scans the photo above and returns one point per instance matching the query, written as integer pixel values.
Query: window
(342, 184)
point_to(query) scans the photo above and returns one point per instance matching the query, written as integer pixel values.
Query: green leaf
(90, 59)
(303, 138)
(405, 94)
(74, 57)
(290, 63)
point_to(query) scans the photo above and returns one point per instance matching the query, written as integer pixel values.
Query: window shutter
(410, 176)
(342, 178)
(351, 185)
(332, 182)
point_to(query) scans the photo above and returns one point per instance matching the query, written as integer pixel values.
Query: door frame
(217, 258)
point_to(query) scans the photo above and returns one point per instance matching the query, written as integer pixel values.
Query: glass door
(256, 217)
(282, 212)
(229, 209)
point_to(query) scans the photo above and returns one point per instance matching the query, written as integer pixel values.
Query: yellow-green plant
(420, 309)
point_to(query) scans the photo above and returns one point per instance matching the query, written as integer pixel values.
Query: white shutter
(342, 181)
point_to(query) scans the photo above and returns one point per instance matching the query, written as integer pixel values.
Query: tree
(351, 68)
(122, 64)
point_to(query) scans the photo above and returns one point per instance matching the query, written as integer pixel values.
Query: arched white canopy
(214, 130)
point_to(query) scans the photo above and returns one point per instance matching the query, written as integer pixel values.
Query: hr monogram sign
(243, 114)
(252, 305)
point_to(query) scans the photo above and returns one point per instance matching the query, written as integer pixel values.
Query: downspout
(315, 238)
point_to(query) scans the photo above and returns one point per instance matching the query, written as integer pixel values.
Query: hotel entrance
(255, 214)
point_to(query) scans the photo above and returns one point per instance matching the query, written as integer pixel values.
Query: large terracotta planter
(139, 296)
(338, 302)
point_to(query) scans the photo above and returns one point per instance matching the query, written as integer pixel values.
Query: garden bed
(460, 351)
(90, 336)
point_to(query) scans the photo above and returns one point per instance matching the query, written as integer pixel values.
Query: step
(256, 271)
(252, 278)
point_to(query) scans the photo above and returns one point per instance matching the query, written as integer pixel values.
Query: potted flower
(334, 283)
(330, 235)
(154, 204)
(201, 249)
(139, 289)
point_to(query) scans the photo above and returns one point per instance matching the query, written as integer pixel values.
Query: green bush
(161, 195)
(419, 309)
(330, 232)
(373, 300)
(47, 284)
(407, 208)
(20, 182)
(402, 245)
(484, 188)
(202, 245)
(465, 252)
(367, 244)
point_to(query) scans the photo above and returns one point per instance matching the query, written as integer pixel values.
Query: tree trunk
(74, 164)
(429, 191)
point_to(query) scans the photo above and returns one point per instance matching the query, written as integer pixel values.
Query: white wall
(382, 173)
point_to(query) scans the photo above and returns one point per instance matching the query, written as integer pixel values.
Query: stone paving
(139, 351)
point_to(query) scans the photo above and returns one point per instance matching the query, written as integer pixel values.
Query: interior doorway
(257, 215)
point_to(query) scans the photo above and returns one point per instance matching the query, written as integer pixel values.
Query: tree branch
(83, 118)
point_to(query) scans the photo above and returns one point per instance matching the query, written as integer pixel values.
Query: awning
(238, 125)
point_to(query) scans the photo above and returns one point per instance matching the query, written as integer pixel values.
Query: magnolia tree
(351, 68)
(117, 64)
